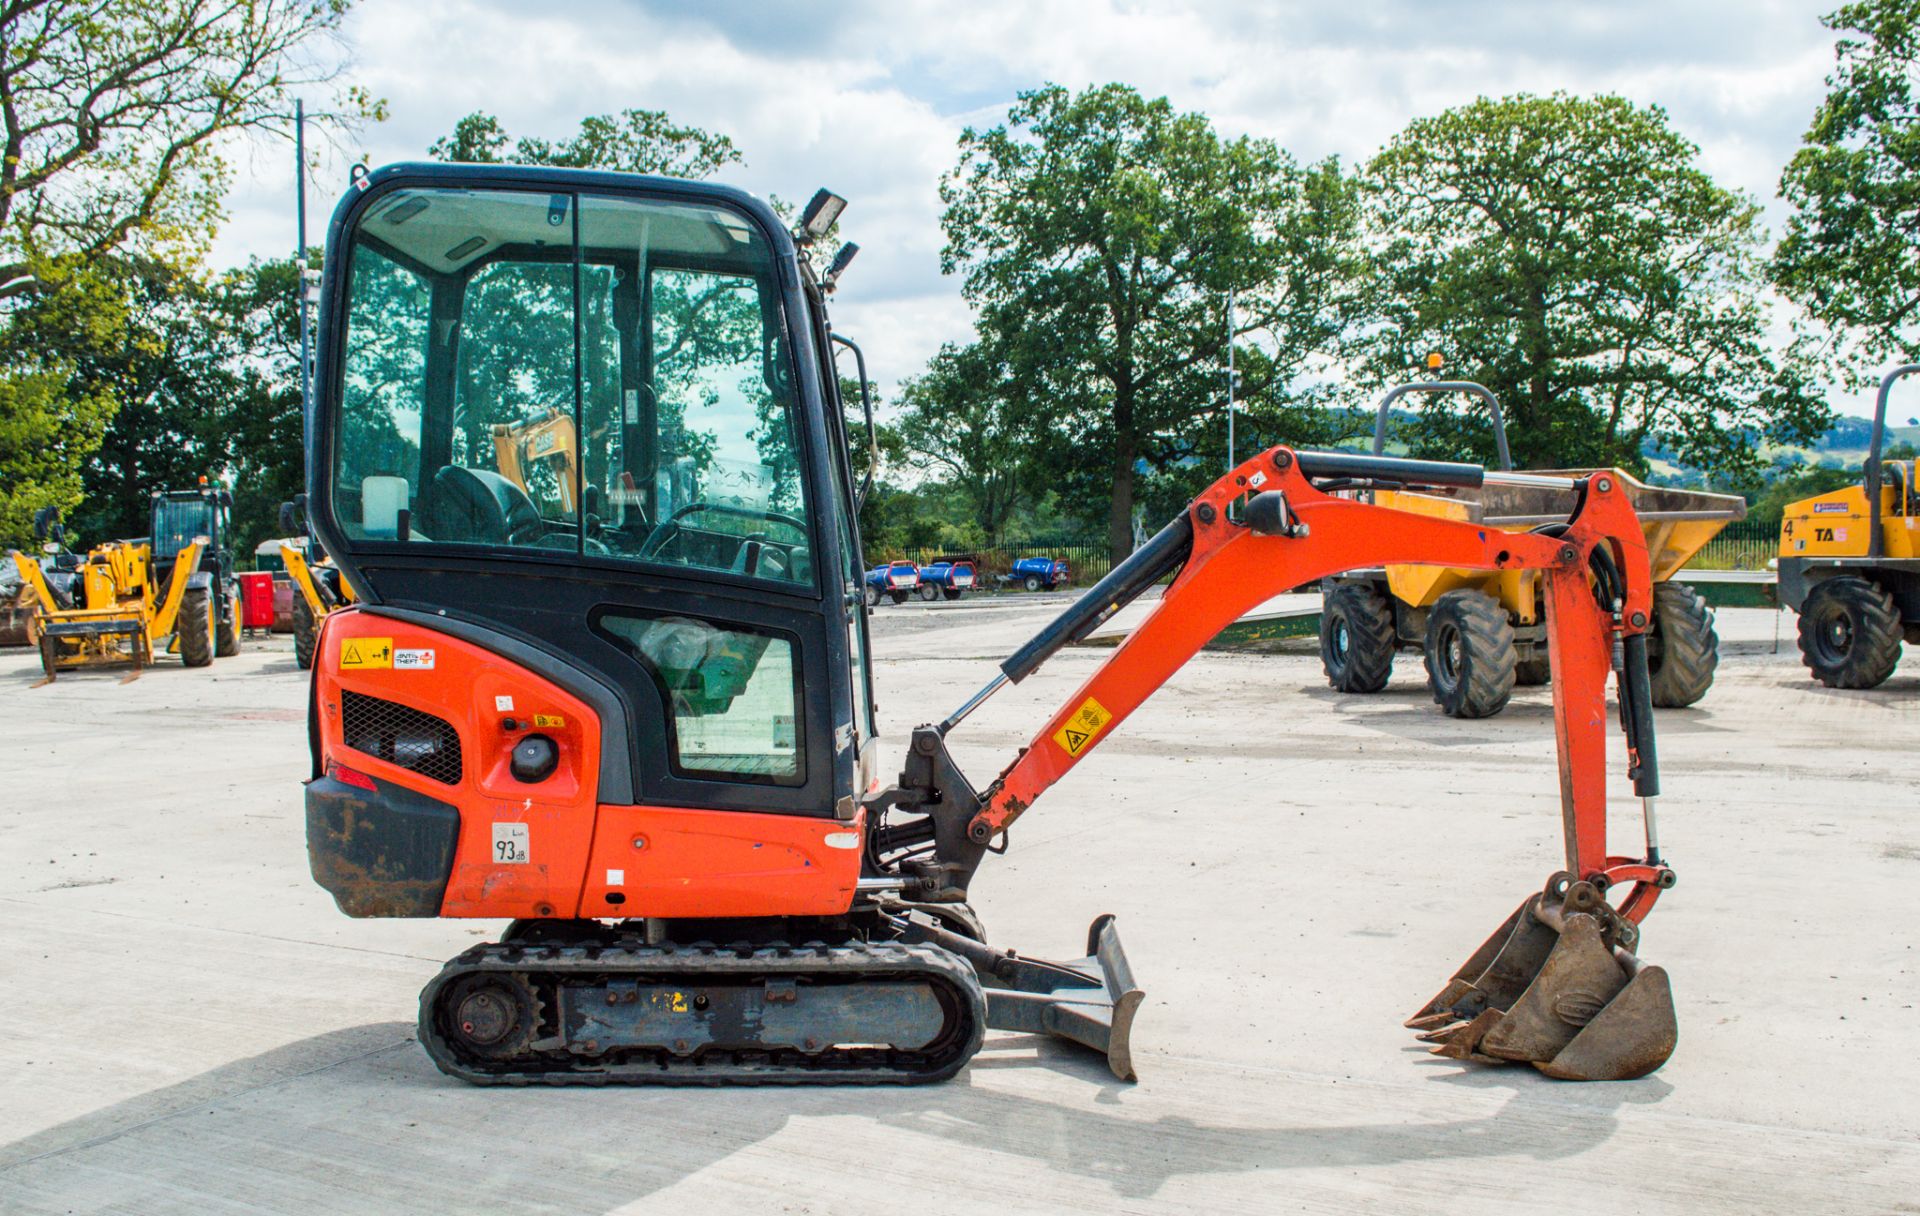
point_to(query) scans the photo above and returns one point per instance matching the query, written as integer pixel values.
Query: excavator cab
(578, 449)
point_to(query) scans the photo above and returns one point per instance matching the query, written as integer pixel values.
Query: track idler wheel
(1557, 986)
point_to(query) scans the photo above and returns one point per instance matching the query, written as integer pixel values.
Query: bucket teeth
(1548, 990)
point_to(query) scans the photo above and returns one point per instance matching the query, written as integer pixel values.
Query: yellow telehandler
(317, 586)
(1850, 565)
(115, 609)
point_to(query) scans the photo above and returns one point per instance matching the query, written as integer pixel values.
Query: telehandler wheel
(1682, 648)
(227, 639)
(929, 592)
(195, 629)
(1356, 638)
(1849, 633)
(1470, 655)
(305, 634)
(1532, 672)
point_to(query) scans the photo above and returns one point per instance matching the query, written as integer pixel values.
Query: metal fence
(1747, 544)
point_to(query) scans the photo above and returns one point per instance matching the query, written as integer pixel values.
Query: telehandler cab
(644, 732)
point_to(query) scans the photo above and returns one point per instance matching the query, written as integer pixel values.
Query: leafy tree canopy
(1849, 255)
(633, 141)
(1570, 253)
(1098, 234)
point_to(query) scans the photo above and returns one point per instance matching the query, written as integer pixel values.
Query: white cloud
(868, 96)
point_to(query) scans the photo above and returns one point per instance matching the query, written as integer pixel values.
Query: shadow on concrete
(276, 1124)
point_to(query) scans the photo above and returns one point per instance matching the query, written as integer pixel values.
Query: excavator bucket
(1557, 986)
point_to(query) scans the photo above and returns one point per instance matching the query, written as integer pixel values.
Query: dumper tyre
(1470, 657)
(195, 628)
(226, 642)
(305, 632)
(929, 592)
(1356, 638)
(1849, 633)
(1682, 647)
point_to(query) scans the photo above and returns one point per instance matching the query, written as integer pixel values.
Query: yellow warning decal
(554, 720)
(359, 654)
(1087, 721)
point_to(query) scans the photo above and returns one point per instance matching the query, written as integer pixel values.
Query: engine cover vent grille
(402, 735)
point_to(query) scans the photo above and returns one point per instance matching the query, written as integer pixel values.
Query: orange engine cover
(549, 848)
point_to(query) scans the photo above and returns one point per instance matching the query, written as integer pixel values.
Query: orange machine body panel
(581, 858)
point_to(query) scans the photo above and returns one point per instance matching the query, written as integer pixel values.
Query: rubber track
(547, 965)
(1689, 647)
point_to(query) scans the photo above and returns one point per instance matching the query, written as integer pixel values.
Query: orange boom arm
(1292, 534)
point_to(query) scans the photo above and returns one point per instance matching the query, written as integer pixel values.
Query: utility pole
(1230, 380)
(300, 211)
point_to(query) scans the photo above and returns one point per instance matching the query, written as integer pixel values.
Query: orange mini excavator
(634, 715)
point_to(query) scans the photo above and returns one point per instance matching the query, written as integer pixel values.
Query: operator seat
(478, 506)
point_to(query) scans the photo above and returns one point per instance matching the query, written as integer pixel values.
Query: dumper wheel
(1849, 633)
(1682, 648)
(1470, 655)
(1356, 638)
(929, 592)
(195, 629)
(1534, 670)
(227, 638)
(304, 632)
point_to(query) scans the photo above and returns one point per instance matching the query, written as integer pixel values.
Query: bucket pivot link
(1559, 987)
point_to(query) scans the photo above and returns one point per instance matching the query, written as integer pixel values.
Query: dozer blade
(1556, 987)
(1091, 1001)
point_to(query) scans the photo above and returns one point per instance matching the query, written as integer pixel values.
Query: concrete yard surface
(198, 1030)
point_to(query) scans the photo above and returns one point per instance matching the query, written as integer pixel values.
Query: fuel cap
(534, 759)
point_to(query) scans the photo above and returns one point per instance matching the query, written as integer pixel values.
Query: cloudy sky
(867, 96)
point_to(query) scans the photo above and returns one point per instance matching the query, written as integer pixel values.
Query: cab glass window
(578, 374)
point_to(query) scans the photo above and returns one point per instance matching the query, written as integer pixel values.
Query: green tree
(1570, 253)
(113, 114)
(960, 421)
(632, 141)
(1849, 255)
(198, 377)
(1099, 234)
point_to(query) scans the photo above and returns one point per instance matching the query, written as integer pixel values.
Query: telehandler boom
(646, 736)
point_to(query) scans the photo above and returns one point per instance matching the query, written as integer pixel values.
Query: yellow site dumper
(1484, 632)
